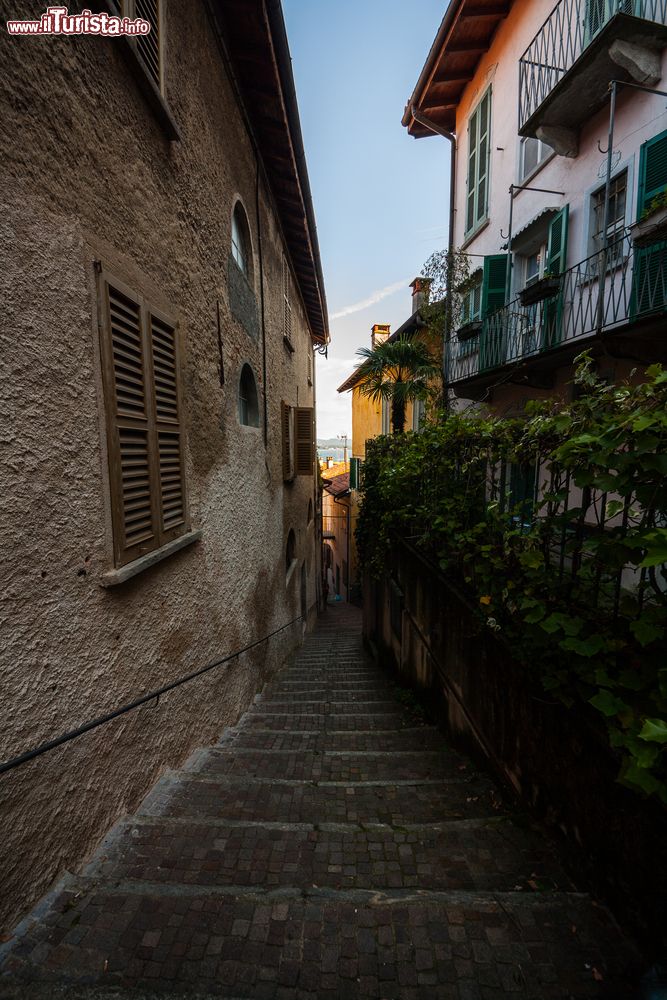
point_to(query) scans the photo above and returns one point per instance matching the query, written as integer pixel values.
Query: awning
(532, 236)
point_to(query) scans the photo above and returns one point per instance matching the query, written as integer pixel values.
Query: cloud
(381, 293)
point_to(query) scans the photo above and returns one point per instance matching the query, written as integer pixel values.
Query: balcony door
(598, 12)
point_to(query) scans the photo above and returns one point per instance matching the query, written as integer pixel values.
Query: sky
(381, 198)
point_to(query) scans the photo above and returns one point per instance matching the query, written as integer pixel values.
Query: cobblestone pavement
(330, 846)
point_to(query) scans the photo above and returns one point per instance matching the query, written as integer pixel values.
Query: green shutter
(479, 133)
(552, 310)
(493, 283)
(557, 242)
(649, 280)
(493, 337)
(354, 473)
(652, 171)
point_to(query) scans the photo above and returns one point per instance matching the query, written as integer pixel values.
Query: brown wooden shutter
(168, 429)
(286, 423)
(141, 365)
(287, 305)
(304, 440)
(149, 46)
(128, 426)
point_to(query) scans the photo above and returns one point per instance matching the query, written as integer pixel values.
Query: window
(532, 153)
(248, 404)
(471, 304)
(144, 423)
(418, 414)
(310, 367)
(298, 441)
(290, 551)
(241, 239)
(287, 305)
(479, 128)
(615, 219)
(309, 518)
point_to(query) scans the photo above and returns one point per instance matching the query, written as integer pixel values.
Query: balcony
(565, 72)
(527, 342)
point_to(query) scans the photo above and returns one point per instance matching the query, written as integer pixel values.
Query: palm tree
(397, 370)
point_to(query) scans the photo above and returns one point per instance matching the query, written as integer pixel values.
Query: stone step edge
(455, 898)
(257, 731)
(190, 775)
(423, 829)
(323, 754)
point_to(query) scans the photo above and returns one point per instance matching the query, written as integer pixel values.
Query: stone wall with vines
(556, 526)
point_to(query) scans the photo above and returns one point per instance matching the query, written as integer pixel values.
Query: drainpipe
(451, 138)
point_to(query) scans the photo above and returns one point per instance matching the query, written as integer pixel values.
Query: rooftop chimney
(330, 462)
(421, 289)
(379, 333)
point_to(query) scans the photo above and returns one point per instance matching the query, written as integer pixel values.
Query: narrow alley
(330, 845)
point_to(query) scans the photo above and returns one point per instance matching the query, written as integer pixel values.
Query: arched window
(241, 239)
(248, 404)
(310, 512)
(290, 550)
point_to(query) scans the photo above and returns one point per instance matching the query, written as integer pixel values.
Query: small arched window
(248, 404)
(241, 239)
(290, 550)
(310, 512)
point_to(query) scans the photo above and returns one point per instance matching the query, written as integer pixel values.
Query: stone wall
(557, 760)
(87, 174)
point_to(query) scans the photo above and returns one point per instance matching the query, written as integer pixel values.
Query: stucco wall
(87, 174)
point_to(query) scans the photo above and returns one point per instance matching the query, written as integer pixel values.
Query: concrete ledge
(116, 576)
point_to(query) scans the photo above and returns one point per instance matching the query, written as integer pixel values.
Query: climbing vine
(556, 527)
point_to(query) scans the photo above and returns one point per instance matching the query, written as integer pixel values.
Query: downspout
(347, 545)
(449, 300)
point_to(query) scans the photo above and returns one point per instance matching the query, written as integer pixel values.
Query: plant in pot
(652, 223)
(545, 288)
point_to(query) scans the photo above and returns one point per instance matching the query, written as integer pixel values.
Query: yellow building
(336, 530)
(371, 418)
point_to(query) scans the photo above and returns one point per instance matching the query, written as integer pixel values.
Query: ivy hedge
(556, 526)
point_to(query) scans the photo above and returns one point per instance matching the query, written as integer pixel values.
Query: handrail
(635, 287)
(564, 36)
(73, 734)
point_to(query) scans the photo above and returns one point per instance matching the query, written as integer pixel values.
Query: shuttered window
(305, 440)
(298, 440)
(149, 46)
(287, 304)
(479, 130)
(141, 369)
(652, 172)
(492, 341)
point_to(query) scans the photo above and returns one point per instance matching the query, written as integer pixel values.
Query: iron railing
(634, 288)
(564, 36)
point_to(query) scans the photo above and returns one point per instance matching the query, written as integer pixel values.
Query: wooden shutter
(168, 431)
(149, 46)
(141, 363)
(287, 426)
(492, 338)
(557, 242)
(304, 440)
(652, 171)
(493, 283)
(287, 304)
(479, 130)
(128, 426)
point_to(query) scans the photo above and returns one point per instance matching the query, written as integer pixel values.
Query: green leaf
(645, 631)
(607, 703)
(655, 557)
(654, 730)
(584, 647)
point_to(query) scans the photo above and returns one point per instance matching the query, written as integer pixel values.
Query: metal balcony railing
(634, 289)
(564, 36)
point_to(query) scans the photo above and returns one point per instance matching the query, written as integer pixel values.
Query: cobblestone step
(183, 794)
(329, 847)
(415, 738)
(283, 945)
(331, 766)
(493, 856)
